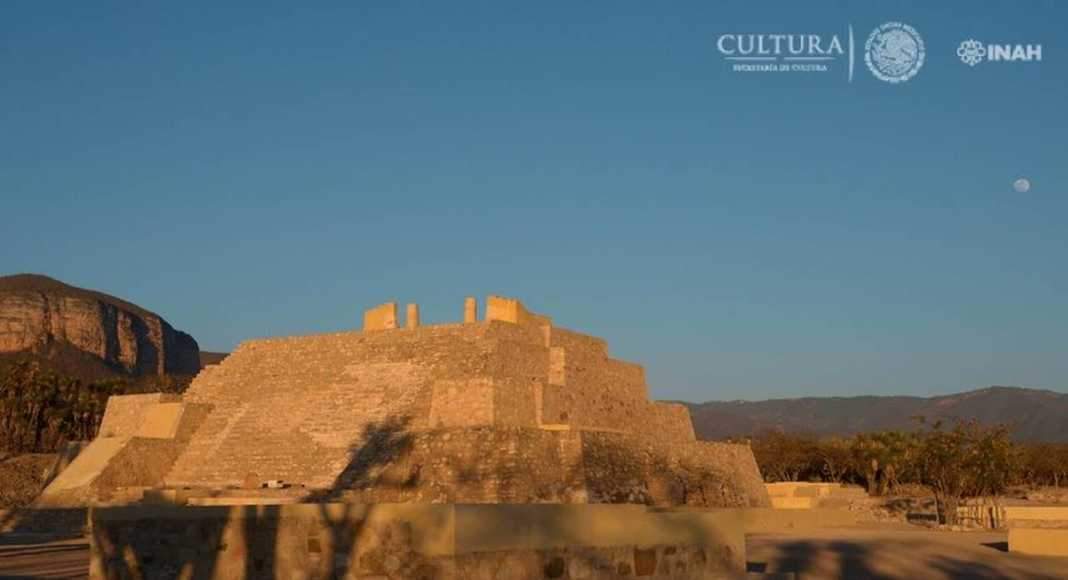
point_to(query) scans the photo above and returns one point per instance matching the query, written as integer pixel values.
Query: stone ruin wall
(411, 541)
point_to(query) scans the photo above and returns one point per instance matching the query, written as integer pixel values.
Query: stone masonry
(416, 542)
(508, 409)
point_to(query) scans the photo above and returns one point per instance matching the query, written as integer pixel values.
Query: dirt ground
(892, 551)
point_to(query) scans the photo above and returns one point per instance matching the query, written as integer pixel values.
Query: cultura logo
(894, 52)
(973, 52)
(786, 53)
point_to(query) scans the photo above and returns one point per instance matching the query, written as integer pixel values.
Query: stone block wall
(668, 424)
(472, 465)
(1038, 530)
(627, 468)
(519, 370)
(400, 541)
(733, 465)
(588, 390)
(335, 391)
(462, 403)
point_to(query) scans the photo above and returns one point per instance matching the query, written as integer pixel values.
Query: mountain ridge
(1034, 414)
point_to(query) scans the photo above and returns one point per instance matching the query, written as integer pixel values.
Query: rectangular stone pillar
(412, 319)
(381, 317)
(470, 310)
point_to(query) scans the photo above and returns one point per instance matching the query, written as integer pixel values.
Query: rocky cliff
(43, 317)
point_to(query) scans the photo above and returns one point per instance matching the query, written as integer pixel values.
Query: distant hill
(212, 358)
(1036, 415)
(88, 334)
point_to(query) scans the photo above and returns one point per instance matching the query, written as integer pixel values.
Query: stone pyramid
(506, 409)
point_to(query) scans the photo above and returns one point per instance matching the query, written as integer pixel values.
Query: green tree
(968, 460)
(1044, 464)
(785, 457)
(883, 458)
(836, 459)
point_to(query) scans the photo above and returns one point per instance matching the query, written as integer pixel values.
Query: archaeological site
(501, 446)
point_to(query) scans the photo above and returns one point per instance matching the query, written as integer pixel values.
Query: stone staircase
(803, 495)
(268, 419)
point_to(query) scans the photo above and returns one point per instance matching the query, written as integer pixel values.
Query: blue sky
(271, 168)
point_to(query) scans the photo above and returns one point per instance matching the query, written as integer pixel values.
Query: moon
(1022, 185)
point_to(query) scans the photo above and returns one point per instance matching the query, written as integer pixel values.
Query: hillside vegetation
(40, 409)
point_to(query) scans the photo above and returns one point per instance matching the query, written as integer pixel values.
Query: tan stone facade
(510, 409)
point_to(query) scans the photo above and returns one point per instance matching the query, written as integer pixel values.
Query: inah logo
(973, 52)
(894, 52)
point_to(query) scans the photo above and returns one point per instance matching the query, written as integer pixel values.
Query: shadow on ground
(911, 555)
(999, 546)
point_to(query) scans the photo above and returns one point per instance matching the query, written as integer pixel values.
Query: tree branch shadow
(344, 539)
